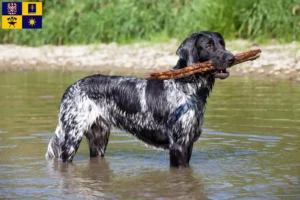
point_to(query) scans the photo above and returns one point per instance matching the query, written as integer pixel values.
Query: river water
(249, 148)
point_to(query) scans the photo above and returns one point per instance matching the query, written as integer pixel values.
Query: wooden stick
(202, 67)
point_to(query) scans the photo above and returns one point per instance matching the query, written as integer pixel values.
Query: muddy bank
(276, 61)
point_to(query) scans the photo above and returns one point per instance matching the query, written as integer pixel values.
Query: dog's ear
(188, 51)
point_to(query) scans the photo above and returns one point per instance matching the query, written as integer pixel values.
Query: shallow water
(249, 148)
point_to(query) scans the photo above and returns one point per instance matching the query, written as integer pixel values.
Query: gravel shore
(276, 61)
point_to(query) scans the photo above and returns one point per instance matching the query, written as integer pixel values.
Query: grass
(125, 21)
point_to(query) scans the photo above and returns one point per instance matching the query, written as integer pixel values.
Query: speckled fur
(166, 114)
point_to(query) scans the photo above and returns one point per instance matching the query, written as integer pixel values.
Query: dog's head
(205, 46)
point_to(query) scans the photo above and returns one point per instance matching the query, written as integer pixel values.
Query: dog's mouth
(221, 74)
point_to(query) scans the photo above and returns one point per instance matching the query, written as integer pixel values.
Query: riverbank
(277, 60)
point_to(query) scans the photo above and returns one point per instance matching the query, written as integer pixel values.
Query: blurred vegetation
(126, 21)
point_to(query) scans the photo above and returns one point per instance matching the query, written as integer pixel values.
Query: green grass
(125, 21)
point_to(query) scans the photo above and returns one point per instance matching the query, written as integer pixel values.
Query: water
(249, 148)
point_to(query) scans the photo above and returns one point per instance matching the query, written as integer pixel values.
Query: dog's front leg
(189, 152)
(180, 155)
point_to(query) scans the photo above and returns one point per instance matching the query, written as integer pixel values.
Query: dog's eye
(209, 46)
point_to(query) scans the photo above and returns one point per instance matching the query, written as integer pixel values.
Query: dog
(166, 114)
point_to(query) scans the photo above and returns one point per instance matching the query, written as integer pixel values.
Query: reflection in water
(82, 181)
(249, 147)
(96, 179)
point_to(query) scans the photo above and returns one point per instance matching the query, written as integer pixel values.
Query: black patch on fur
(156, 100)
(153, 138)
(109, 88)
(96, 86)
(126, 97)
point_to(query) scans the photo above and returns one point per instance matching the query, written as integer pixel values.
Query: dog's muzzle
(222, 73)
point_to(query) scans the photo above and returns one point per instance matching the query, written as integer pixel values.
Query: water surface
(249, 148)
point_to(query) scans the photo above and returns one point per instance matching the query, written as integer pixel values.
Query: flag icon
(32, 22)
(22, 15)
(31, 8)
(11, 8)
(11, 22)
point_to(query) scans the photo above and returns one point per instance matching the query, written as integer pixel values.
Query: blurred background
(126, 21)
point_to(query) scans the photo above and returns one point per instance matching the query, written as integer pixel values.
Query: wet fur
(166, 114)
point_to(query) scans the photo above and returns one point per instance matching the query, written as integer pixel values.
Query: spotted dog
(166, 114)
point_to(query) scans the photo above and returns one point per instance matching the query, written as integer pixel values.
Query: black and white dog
(166, 114)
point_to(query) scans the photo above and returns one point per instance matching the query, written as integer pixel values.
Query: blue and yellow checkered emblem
(22, 15)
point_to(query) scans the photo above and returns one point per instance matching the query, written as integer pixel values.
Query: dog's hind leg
(97, 137)
(77, 114)
(70, 145)
(64, 144)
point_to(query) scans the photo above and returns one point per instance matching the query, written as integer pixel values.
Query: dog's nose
(230, 59)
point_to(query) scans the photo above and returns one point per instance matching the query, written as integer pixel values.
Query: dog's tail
(54, 149)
